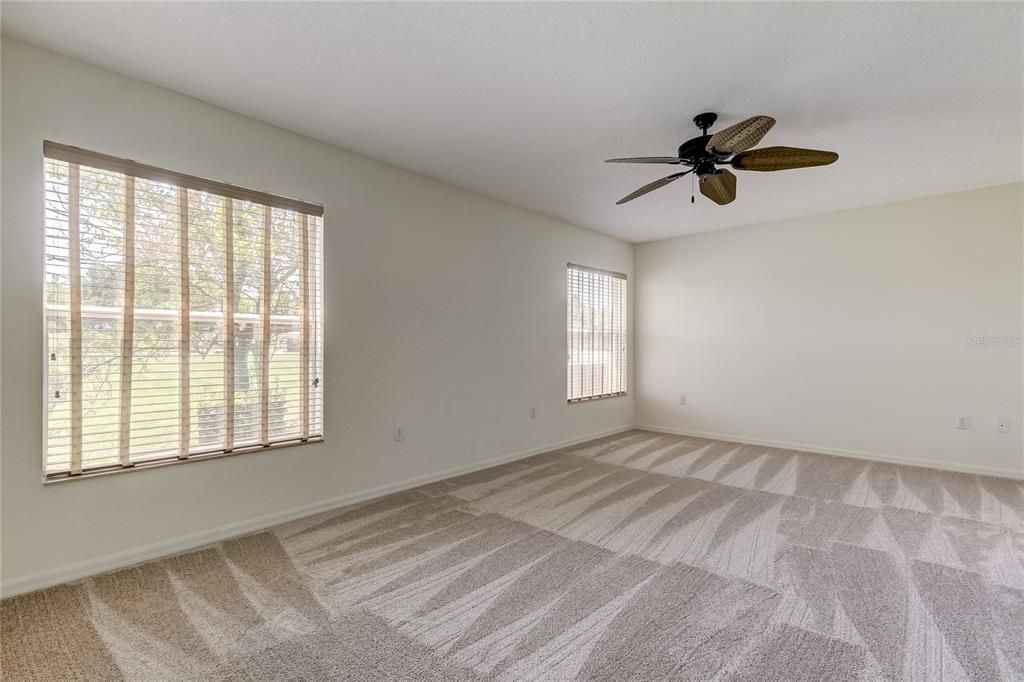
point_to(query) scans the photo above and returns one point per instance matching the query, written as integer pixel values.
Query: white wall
(445, 313)
(842, 332)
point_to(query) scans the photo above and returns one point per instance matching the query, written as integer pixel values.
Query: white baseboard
(137, 555)
(857, 454)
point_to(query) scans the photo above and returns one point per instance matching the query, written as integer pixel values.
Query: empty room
(512, 341)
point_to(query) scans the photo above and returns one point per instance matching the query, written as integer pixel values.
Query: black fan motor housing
(695, 150)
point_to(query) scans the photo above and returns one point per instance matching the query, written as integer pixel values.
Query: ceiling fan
(728, 147)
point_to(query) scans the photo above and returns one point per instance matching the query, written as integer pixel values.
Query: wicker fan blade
(720, 187)
(647, 159)
(782, 158)
(742, 136)
(651, 187)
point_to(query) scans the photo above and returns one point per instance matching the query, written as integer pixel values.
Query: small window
(597, 333)
(183, 316)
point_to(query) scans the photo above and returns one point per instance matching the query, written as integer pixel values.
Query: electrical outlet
(399, 433)
(963, 423)
(533, 412)
(1003, 425)
(682, 399)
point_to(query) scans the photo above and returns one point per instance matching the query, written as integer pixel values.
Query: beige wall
(445, 313)
(842, 332)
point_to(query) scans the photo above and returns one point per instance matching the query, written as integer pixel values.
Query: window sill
(171, 461)
(577, 401)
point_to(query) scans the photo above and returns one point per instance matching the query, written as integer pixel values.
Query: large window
(183, 316)
(597, 333)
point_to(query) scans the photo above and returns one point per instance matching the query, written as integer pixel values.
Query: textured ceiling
(522, 102)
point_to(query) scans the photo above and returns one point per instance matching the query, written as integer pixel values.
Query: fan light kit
(730, 147)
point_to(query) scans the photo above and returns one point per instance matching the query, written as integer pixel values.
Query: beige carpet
(635, 557)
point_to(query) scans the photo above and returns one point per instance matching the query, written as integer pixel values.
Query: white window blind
(183, 316)
(597, 333)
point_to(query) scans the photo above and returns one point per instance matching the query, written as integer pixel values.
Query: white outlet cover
(963, 422)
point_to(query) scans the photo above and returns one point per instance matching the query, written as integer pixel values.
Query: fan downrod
(705, 121)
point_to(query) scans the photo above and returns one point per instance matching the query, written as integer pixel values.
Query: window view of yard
(596, 333)
(158, 387)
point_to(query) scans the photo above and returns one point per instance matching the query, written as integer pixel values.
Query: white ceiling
(523, 102)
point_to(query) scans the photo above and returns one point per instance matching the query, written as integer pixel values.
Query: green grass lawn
(155, 419)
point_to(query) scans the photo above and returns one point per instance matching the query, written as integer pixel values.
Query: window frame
(315, 318)
(621, 369)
